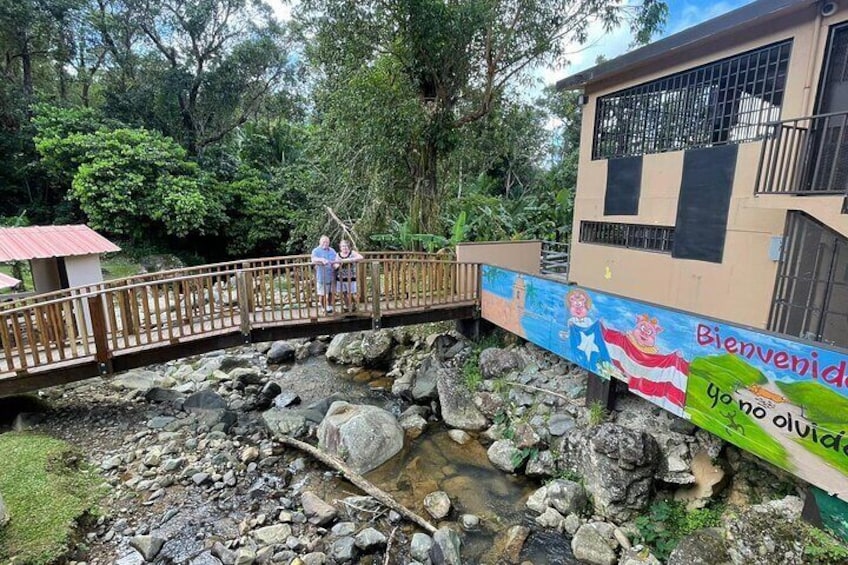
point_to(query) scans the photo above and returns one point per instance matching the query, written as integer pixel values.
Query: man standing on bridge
(325, 259)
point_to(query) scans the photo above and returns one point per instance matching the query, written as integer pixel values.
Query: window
(811, 290)
(635, 236)
(728, 101)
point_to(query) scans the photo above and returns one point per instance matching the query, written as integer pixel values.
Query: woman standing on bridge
(346, 274)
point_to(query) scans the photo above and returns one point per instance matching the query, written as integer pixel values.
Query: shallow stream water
(433, 462)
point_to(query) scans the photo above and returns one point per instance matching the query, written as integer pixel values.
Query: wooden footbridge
(113, 326)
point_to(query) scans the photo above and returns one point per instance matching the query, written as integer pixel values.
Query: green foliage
(47, 489)
(471, 373)
(597, 413)
(668, 522)
(135, 182)
(821, 548)
(524, 454)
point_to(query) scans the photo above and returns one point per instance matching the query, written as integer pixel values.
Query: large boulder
(370, 349)
(424, 386)
(281, 352)
(495, 362)
(138, 379)
(617, 465)
(702, 547)
(768, 533)
(364, 436)
(590, 545)
(457, 402)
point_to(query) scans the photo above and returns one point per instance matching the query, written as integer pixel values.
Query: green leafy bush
(667, 522)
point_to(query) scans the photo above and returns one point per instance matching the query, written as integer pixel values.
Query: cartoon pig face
(645, 333)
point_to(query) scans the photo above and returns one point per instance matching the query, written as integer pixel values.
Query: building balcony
(805, 156)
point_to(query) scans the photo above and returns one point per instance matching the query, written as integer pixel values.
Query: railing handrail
(80, 290)
(812, 117)
(804, 155)
(127, 317)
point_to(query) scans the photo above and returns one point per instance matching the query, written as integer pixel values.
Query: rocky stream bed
(496, 448)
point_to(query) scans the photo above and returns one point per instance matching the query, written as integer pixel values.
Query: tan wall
(740, 288)
(45, 275)
(523, 256)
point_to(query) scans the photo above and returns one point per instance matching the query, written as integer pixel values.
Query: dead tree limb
(389, 546)
(359, 481)
(348, 232)
(543, 390)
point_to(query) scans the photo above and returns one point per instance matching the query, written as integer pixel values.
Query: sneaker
(329, 310)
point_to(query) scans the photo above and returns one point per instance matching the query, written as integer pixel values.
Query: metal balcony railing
(805, 156)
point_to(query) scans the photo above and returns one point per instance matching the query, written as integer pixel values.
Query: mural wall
(780, 399)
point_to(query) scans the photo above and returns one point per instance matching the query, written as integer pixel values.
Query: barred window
(635, 236)
(727, 101)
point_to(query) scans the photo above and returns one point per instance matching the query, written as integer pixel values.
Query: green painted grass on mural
(727, 373)
(829, 411)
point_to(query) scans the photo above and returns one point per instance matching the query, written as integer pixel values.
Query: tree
(458, 57)
(216, 61)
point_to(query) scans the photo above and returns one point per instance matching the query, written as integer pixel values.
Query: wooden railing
(212, 269)
(164, 309)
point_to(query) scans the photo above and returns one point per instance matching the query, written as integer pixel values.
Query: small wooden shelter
(59, 256)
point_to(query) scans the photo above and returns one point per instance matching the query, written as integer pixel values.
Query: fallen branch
(359, 481)
(544, 390)
(389, 546)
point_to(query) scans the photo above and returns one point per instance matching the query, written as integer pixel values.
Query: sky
(682, 14)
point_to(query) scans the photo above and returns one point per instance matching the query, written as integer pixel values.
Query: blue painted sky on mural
(545, 301)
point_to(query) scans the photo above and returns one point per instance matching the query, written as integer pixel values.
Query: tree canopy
(209, 129)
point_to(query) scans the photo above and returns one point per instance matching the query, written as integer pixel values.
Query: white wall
(83, 270)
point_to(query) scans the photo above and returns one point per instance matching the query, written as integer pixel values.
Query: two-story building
(714, 170)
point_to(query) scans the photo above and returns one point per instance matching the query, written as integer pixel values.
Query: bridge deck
(86, 334)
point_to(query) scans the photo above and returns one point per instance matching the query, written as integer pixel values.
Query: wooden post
(244, 305)
(99, 331)
(375, 295)
(600, 390)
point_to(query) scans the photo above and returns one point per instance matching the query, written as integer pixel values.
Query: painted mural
(783, 400)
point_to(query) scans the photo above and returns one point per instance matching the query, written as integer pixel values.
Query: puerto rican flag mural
(658, 378)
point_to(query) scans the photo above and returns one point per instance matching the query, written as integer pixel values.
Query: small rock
(249, 454)
(369, 540)
(516, 536)
(566, 496)
(286, 398)
(459, 436)
(314, 558)
(437, 504)
(343, 529)
(495, 362)
(589, 546)
(446, 547)
(245, 556)
(159, 422)
(560, 424)
(343, 549)
(281, 352)
(420, 546)
(273, 535)
(639, 555)
(317, 511)
(504, 455)
(111, 463)
(204, 400)
(551, 519)
(469, 522)
(148, 546)
(571, 524)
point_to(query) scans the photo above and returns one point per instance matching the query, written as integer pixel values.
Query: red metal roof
(8, 282)
(41, 242)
